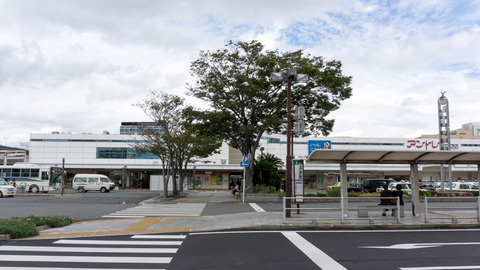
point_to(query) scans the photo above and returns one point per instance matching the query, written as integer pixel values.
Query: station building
(114, 155)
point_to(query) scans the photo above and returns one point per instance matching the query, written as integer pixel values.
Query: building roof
(393, 157)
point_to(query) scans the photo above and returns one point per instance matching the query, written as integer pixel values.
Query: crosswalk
(160, 210)
(132, 252)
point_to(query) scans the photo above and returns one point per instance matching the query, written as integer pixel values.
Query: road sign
(245, 164)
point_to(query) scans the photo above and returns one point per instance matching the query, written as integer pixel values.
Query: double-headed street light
(290, 78)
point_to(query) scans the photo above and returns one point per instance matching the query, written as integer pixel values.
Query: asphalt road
(406, 250)
(81, 207)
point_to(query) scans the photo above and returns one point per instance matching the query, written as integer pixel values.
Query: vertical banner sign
(298, 179)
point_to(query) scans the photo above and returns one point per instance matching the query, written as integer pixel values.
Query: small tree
(266, 171)
(181, 140)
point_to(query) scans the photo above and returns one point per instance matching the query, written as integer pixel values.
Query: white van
(95, 182)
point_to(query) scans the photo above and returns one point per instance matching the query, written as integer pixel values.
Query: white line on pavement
(256, 207)
(57, 268)
(321, 259)
(88, 249)
(90, 259)
(442, 267)
(114, 242)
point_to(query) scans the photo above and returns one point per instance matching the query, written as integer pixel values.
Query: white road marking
(115, 242)
(148, 236)
(60, 268)
(256, 207)
(442, 267)
(321, 259)
(422, 245)
(83, 259)
(89, 249)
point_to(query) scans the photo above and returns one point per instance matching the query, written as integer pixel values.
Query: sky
(80, 66)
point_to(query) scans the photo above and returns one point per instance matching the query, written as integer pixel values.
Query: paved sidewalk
(240, 216)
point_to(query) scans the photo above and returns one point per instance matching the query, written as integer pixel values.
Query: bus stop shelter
(413, 158)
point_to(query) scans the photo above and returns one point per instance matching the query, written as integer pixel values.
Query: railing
(428, 208)
(339, 213)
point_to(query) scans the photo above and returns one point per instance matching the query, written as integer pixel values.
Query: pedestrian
(385, 193)
(398, 193)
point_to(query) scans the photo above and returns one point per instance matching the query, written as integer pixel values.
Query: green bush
(318, 194)
(428, 193)
(262, 189)
(334, 192)
(21, 227)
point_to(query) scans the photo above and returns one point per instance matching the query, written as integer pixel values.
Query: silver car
(6, 189)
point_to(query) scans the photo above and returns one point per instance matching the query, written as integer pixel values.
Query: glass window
(34, 173)
(92, 180)
(25, 173)
(6, 172)
(15, 172)
(104, 180)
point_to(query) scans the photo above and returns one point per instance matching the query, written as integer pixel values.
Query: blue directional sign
(314, 145)
(245, 164)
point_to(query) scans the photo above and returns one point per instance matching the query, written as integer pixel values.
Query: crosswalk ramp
(135, 252)
(160, 210)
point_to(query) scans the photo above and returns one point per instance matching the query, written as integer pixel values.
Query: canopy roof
(393, 157)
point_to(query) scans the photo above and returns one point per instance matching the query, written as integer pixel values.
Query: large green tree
(183, 138)
(235, 81)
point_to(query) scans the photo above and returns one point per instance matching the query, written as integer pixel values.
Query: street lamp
(289, 78)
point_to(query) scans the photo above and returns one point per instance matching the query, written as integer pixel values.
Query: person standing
(398, 193)
(385, 193)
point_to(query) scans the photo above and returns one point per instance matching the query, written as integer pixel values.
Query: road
(81, 207)
(406, 250)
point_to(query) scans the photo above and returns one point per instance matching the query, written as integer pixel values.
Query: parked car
(375, 185)
(351, 186)
(6, 189)
(429, 186)
(334, 186)
(406, 186)
(457, 186)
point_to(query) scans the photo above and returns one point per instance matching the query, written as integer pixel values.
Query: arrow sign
(244, 164)
(422, 245)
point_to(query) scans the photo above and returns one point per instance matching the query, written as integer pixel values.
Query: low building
(114, 155)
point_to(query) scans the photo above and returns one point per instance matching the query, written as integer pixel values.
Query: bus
(32, 177)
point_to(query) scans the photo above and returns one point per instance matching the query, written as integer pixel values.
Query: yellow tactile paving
(140, 227)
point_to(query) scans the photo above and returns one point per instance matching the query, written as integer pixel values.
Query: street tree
(235, 81)
(267, 168)
(182, 139)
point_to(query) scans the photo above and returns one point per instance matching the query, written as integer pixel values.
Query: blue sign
(244, 164)
(314, 145)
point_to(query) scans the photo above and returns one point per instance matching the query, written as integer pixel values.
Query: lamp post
(289, 78)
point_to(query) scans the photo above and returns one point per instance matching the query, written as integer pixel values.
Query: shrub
(428, 193)
(21, 227)
(334, 192)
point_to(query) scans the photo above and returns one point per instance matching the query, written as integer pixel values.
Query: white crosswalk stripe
(160, 210)
(146, 251)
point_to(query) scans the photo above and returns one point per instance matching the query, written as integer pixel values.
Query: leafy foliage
(185, 135)
(236, 83)
(21, 227)
(266, 171)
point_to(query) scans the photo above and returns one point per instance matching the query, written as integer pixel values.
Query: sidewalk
(238, 218)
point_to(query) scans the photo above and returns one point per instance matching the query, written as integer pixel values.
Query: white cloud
(79, 65)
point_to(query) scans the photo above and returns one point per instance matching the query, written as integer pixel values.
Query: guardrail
(342, 214)
(428, 207)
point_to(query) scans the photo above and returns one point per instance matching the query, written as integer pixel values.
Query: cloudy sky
(79, 66)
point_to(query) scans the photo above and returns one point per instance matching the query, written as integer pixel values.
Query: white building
(114, 155)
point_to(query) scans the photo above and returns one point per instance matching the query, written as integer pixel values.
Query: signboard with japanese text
(314, 145)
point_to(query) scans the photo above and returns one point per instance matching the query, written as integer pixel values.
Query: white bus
(32, 177)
